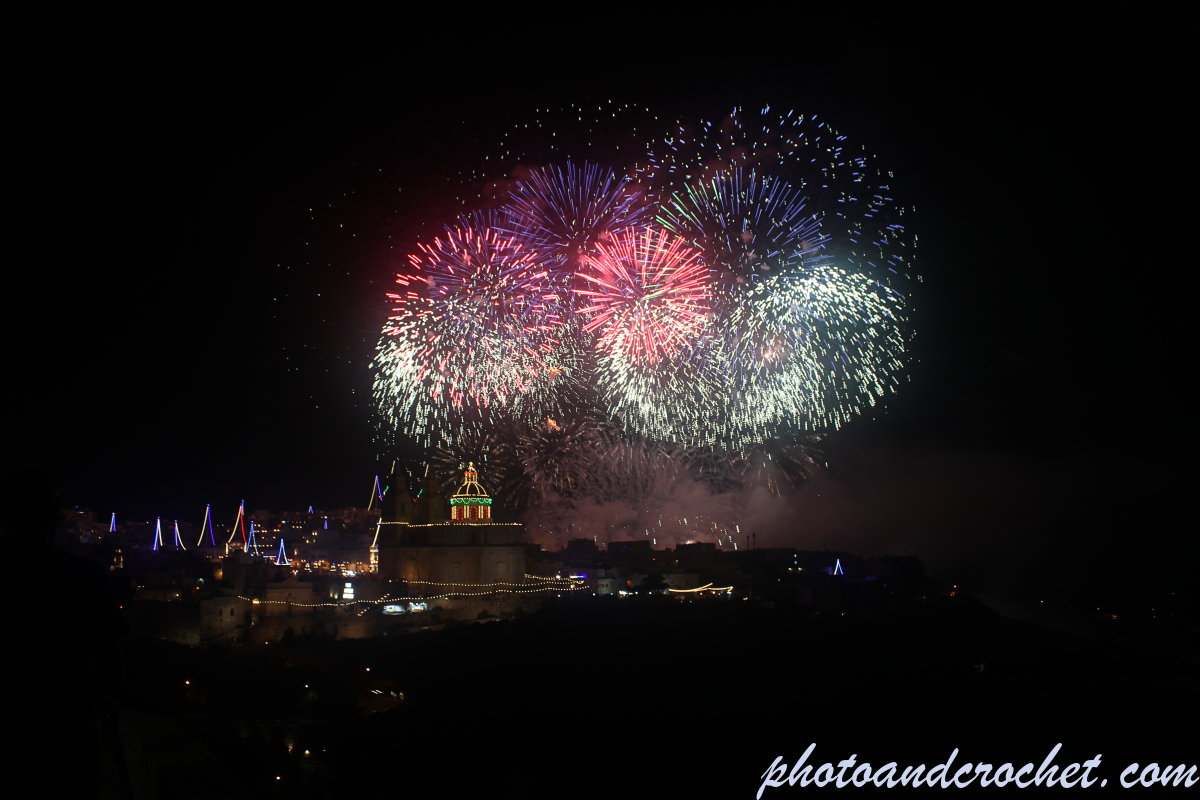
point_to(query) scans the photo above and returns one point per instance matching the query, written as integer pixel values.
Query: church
(467, 551)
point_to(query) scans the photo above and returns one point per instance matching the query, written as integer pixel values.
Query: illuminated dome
(470, 503)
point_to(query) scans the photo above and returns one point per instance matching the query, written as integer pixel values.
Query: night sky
(205, 337)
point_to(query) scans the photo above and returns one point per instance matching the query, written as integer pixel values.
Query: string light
(549, 585)
(708, 587)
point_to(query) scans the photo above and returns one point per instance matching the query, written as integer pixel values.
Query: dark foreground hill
(652, 697)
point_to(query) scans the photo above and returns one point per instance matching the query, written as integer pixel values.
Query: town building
(435, 555)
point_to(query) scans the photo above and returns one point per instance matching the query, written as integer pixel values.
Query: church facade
(466, 552)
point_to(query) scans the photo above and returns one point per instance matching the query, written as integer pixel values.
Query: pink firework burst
(478, 327)
(648, 294)
(489, 277)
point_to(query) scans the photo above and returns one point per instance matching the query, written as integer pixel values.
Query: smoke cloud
(967, 514)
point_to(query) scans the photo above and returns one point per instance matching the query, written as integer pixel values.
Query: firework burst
(649, 295)
(805, 242)
(795, 352)
(564, 213)
(530, 464)
(823, 345)
(701, 174)
(474, 329)
(787, 460)
(490, 279)
(746, 225)
(741, 286)
(473, 444)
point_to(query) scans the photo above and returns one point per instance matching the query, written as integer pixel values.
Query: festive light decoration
(240, 520)
(708, 587)
(470, 503)
(207, 523)
(375, 492)
(548, 585)
(251, 544)
(561, 583)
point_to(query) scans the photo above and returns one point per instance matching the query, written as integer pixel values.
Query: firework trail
(808, 351)
(527, 465)
(629, 470)
(491, 279)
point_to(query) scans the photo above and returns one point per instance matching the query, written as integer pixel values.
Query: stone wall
(450, 565)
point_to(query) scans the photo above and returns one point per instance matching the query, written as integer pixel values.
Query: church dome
(471, 502)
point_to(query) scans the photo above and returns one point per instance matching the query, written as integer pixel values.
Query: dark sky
(202, 337)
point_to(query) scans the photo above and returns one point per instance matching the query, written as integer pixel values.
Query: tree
(651, 584)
